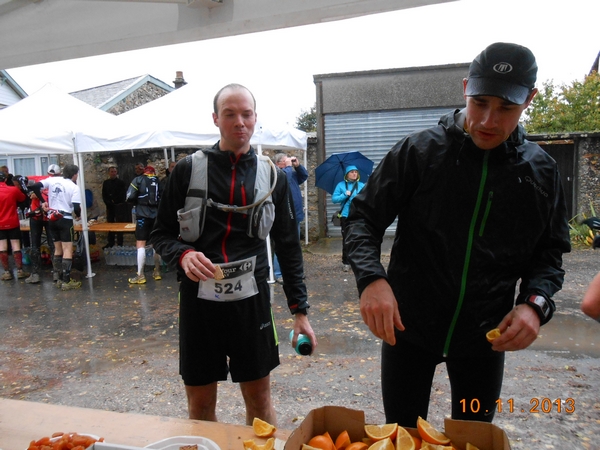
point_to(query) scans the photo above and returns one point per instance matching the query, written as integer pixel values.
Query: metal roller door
(373, 134)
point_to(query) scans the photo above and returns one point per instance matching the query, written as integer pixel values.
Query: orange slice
(428, 446)
(417, 442)
(493, 334)
(308, 447)
(404, 441)
(430, 434)
(249, 444)
(342, 441)
(357, 446)
(262, 428)
(269, 445)
(322, 442)
(380, 432)
(383, 444)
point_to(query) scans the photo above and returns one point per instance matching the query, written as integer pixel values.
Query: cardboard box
(335, 419)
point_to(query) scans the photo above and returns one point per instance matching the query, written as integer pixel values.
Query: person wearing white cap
(54, 170)
(479, 209)
(64, 201)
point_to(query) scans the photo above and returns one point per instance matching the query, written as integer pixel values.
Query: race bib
(238, 282)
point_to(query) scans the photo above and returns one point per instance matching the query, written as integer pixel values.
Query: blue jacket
(339, 195)
(296, 176)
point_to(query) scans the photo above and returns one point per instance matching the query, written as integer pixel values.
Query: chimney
(179, 81)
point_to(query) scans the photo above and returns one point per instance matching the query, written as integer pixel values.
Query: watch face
(541, 302)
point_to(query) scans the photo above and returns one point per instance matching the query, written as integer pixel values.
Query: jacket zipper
(234, 160)
(465, 272)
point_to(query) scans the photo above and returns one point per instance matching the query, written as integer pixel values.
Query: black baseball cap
(503, 70)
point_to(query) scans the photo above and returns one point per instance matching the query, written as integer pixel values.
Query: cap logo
(503, 67)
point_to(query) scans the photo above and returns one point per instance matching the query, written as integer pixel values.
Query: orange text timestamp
(536, 405)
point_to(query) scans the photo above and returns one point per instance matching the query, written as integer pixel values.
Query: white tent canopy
(182, 118)
(46, 122)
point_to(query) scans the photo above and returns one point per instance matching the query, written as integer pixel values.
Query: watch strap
(540, 304)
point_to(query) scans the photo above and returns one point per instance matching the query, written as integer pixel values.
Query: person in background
(10, 227)
(479, 210)
(237, 322)
(143, 194)
(163, 182)
(296, 174)
(591, 300)
(38, 223)
(113, 195)
(139, 168)
(344, 193)
(64, 197)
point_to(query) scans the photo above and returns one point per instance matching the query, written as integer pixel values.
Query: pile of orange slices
(389, 436)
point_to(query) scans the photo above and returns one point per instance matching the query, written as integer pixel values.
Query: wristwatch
(541, 306)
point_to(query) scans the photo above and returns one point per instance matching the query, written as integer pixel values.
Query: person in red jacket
(10, 228)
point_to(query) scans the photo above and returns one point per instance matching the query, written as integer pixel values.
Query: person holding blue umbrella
(344, 192)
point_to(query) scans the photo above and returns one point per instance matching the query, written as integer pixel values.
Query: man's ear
(533, 93)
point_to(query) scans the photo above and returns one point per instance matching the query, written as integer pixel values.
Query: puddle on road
(569, 337)
(565, 336)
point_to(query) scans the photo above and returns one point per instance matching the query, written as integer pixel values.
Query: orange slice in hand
(380, 432)
(430, 434)
(404, 441)
(262, 428)
(493, 334)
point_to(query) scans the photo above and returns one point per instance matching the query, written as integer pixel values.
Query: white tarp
(182, 118)
(46, 122)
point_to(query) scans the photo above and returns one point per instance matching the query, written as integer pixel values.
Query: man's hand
(197, 267)
(379, 310)
(519, 328)
(302, 326)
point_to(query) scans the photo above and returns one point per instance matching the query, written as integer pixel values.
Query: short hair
(139, 163)
(232, 86)
(113, 167)
(70, 170)
(279, 157)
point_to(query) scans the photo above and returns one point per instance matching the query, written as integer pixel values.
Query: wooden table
(21, 422)
(117, 227)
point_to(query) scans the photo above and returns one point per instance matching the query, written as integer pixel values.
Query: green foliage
(307, 120)
(566, 109)
(581, 235)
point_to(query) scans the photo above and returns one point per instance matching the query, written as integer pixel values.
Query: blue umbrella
(331, 171)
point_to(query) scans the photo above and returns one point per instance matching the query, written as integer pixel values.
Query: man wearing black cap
(479, 209)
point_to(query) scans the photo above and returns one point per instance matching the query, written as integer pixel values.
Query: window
(24, 166)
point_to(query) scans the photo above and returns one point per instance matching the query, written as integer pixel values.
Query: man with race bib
(219, 205)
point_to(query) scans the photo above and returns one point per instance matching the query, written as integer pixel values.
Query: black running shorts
(216, 338)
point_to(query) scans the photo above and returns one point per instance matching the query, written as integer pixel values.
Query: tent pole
(306, 201)
(84, 219)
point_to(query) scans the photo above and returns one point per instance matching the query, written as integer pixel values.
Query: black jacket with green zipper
(471, 225)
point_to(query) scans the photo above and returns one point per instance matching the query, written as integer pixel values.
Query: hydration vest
(261, 213)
